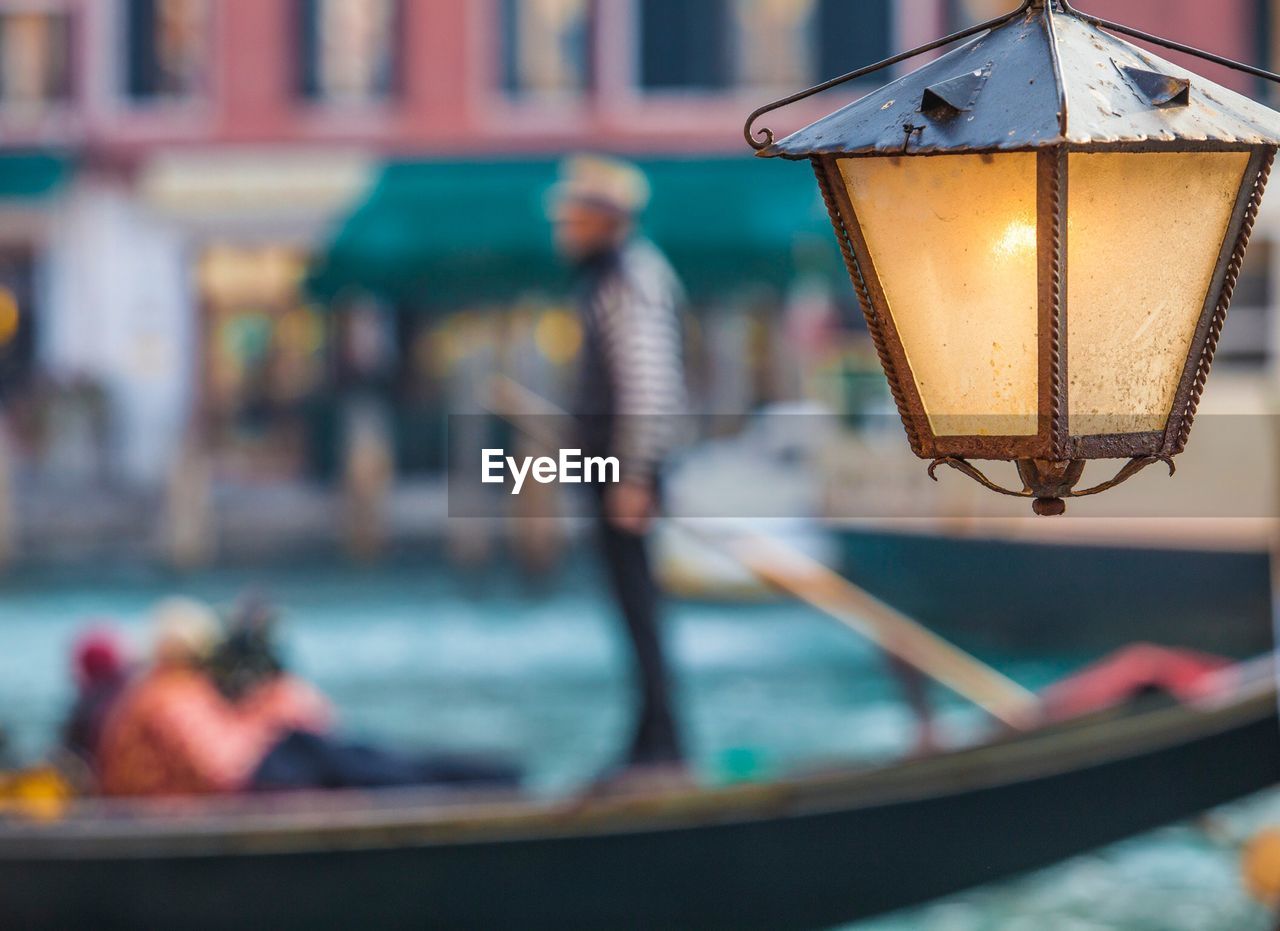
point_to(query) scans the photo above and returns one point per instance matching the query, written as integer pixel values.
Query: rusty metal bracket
(966, 467)
(1159, 90)
(1128, 471)
(955, 95)
(1049, 481)
(762, 138)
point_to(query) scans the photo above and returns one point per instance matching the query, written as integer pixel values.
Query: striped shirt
(632, 390)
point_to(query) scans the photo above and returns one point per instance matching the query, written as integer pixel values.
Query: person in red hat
(101, 669)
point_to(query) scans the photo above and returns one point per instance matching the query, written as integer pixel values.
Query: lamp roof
(1041, 79)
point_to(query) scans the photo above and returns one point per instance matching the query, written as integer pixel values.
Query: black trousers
(626, 558)
(311, 761)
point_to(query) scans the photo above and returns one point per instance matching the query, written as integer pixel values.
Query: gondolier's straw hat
(598, 181)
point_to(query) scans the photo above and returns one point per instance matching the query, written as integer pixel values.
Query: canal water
(428, 658)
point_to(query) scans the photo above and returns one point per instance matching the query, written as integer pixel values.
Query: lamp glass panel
(953, 241)
(1144, 232)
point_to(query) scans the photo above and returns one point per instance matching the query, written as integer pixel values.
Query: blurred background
(254, 253)
(221, 223)
(225, 220)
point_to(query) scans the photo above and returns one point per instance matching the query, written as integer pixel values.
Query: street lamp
(1044, 228)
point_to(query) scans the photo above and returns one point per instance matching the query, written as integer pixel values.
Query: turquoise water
(424, 657)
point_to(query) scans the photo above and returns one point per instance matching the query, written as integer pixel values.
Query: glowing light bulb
(1018, 238)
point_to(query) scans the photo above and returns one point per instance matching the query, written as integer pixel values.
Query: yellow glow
(1143, 234)
(1018, 239)
(447, 349)
(558, 336)
(231, 274)
(10, 316)
(301, 330)
(454, 340)
(953, 241)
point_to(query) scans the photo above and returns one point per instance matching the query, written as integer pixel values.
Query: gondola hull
(809, 852)
(1015, 596)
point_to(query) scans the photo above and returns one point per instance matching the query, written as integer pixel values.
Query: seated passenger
(248, 656)
(174, 733)
(249, 669)
(101, 673)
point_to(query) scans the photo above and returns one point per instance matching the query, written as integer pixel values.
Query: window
(773, 41)
(853, 35)
(717, 44)
(34, 59)
(683, 44)
(264, 358)
(167, 48)
(349, 50)
(547, 47)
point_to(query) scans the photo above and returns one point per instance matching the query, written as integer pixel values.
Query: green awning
(438, 234)
(32, 175)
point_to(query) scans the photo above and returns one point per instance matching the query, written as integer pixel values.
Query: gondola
(809, 851)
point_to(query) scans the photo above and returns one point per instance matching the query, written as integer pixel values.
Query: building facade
(168, 167)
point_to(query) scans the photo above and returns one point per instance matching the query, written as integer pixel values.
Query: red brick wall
(1226, 27)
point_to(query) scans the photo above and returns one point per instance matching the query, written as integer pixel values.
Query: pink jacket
(173, 733)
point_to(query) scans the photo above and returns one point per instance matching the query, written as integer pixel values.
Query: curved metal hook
(1168, 43)
(963, 465)
(1130, 469)
(1049, 483)
(763, 137)
(1127, 471)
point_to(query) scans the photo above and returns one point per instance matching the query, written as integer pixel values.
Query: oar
(807, 579)
(803, 577)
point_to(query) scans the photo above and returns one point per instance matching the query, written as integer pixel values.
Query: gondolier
(630, 397)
